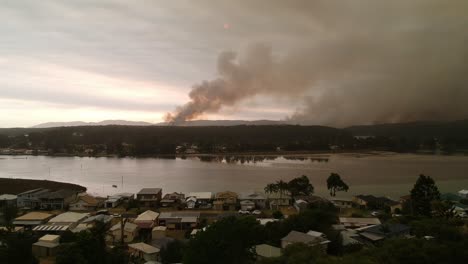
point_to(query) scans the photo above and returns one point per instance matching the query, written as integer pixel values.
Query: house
(46, 246)
(57, 200)
(84, 202)
(299, 237)
(373, 202)
(247, 205)
(179, 220)
(300, 205)
(116, 199)
(191, 202)
(8, 200)
(90, 222)
(130, 232)
(149, 197)
(355, 222)
(143, 251)
(460, 209)
(147, 219)
(267, 251)
(277, 199)
(172, 199)
(312, 200)
(342, 203)
(258, 198)
(32, 219)
(463, 194)
(380, 232)
(225, 201)
(30, 199)
(158, 232)
(203, 198)
(62, 222)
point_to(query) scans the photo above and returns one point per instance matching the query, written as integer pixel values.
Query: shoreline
(253, 154)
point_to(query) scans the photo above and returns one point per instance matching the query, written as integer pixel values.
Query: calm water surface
(391, 175)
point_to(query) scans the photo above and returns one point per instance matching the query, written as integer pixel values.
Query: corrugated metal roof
(51, 228)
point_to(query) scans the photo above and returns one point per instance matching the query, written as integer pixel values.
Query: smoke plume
(388, 62)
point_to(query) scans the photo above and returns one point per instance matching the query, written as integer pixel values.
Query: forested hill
(154, 140)
(455, 129)
(149, 140)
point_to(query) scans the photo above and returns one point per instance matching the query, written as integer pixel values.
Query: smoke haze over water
(376, 61)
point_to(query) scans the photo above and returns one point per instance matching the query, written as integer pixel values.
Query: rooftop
(147, 216)
(49, 238)
(362, 220)
(129, 227)
(8, 197)
(295, 236)
(69, 217)
(267, 251)
(150, 191)
(143, 247)
(34, 216)
(201, 195)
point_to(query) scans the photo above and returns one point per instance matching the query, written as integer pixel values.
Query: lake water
(386, 174)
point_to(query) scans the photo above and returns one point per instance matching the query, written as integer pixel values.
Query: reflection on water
(242, 159)
(391, 175)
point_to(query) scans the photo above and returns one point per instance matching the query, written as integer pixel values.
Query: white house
(463, 193)
(144, 251)
(247, 205)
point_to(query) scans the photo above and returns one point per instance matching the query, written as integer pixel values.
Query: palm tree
(282, 187)
(271, 188)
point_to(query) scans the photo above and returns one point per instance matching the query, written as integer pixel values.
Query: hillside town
(145, 223)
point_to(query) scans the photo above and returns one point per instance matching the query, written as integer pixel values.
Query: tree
(173, 252)
(228, 241)
(335, 183)
(423, 193)
(271, 188)
(300, 186)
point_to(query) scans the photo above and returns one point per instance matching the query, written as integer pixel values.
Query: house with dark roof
(377, 233)
(30, 199)
(58, 200)
(149, 197)
(374, 202)
(308, 239)
(179, 220)
(172, 199)
(257, 198)
(84, 202)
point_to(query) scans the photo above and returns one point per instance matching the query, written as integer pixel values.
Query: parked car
(256, 212)
(244, 212)
(375, 213)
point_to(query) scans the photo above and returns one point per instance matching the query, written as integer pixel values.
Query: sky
(312, 62)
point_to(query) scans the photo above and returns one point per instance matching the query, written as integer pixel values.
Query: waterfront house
(191, 202)
(203, 198)
(62, 222)
(247, 205)
(172, 199)
(179, 220)
(377, 233)
(149, 197)
(57, 200)
(463, 194)
(130, 232)
(355, 222)
(32, 219)
(299, 237)
(143, 251)
(8, 200)
(373, 202)
(30, 199)
(225, 201)
(116, 199)
(277, 199)
(258, 198)
(46, 246)
(147, 219)
(342, 203)
(84, 202)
